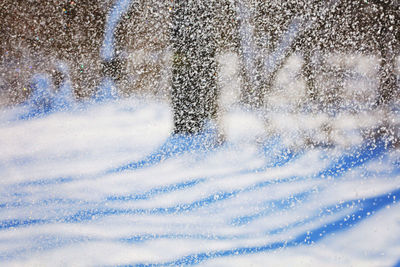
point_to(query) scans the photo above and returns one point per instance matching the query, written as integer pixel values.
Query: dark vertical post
(308, 74)
(252, 94)
(388, 41)
(388, 79)
(83, 22)
(194, 67)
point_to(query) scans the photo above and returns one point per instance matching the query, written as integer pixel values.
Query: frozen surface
(104, 184)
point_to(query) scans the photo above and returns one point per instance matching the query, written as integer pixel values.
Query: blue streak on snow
(352, 160)
(278, 159)
(277, 204)
(174, 146)
(44, 202)
(364, 210)
(13, 223)
(358, 157)
(42, 182)
(147, 237)
(372, 151)
(276, 154)
(322, 212)
(157, 191)
(204, 142)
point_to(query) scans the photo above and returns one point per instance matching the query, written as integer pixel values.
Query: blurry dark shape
(83, 24)
(114, 68)
(142, 40)
(36, 35)
(251, 59)
(58, 77)
(355, 27)
(268, 31)
(194, 67)
(389, 45)
(26, 37)
(153, 35)
(367, 27)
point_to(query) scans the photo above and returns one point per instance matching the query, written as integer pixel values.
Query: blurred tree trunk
(252, 92)
(387, 75)
(388, 34)
(194, 67)
(83, 34)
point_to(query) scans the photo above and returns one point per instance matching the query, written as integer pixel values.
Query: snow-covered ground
(105, 185)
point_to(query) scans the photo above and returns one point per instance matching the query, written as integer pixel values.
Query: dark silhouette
(194, 67)
(371, 27)
(142, 48)
(330, 26)
(36, 35)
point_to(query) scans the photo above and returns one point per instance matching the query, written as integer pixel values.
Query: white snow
(60, 206)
